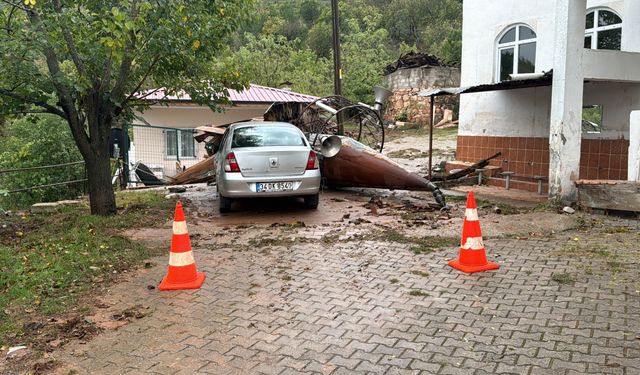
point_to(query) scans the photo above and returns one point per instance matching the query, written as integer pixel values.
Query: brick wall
(599, 158)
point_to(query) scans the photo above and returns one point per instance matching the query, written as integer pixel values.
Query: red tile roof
(254, 94)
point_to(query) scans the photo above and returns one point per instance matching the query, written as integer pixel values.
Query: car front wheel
(225, 204)
(311, 201)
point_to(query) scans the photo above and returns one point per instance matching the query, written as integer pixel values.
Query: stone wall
(405, 85)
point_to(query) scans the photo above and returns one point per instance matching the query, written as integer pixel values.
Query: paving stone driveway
(364, 306)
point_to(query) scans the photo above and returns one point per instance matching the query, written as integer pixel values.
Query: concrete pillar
(565, 133)
(633, 173)
(631, 26)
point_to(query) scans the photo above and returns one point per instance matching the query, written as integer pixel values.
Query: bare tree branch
(16, 5)
(25, 112)
(9, 18)
(106, 72)
(144, 78)
(48, 107)
(68, 38)
(66, 99)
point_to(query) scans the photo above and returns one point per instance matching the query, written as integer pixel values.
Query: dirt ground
(348, 215)
(265, 252)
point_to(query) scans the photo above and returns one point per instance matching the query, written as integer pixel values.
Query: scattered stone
(69, 202)
(171, 196)
(359, 221)
(177, 189)
(55, 343)
(132, 312)
(151, 287)
(15, 349)
(568, 210)
(45, 207)
(497, 210)
(32, 326)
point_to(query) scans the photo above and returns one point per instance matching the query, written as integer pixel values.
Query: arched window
(603, 30)
(516, 52)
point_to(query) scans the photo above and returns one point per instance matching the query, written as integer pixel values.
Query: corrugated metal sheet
(544, 80)
(254, 94)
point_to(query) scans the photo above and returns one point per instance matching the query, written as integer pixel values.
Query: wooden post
(432, 116)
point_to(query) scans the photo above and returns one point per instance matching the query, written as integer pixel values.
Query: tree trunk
(102, 199)
(95, 152)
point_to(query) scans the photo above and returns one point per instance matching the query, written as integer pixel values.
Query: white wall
(634, 148)
(192, 116)
(631, 26)
(483, 23)
(525, 112)
(508, 113)
(485, 20)
(617, 100)
(611, 65)
(150, 142)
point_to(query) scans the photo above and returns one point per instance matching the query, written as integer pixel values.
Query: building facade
(162, 136)
(575, 126)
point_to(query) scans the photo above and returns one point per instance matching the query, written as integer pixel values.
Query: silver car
(266, 159)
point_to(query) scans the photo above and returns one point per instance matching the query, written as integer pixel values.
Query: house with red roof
(163, 134)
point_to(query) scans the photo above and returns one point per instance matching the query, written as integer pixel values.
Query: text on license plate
(266, 187)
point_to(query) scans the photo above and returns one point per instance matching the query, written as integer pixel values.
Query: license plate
(269, 187)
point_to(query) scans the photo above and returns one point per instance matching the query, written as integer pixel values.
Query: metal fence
(24, 186)
(164, 151)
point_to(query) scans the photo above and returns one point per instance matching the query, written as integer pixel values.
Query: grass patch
(563, 278)
(617, 229)
(420, 245)
(411, 153)
(430, 244)
(419, 130)
(505, 208)
(418, 293)
(415, 216)
(616, 266)
(420, 273)
(575, 249)
(58, 257)
(259, 243)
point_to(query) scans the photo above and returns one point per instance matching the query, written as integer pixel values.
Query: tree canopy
(84, 60)
(373, 34)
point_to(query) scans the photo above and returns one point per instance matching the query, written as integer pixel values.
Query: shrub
(34, 141)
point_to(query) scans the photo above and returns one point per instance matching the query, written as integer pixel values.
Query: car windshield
(262, 136)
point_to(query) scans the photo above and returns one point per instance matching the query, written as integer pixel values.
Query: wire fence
(153, 153)
(21, 187)
(142, 155)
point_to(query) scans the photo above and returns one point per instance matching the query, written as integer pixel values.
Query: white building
(163, 134)
(592, 48)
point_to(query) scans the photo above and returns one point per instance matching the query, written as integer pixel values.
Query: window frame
(593, 32)
(177, 134)
(516, 48)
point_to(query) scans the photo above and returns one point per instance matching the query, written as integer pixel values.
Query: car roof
(277, 124)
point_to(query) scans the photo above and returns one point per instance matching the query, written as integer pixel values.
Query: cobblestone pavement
(565, 304)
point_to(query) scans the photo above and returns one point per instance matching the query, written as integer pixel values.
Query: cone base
(195, 284)
(472, 269)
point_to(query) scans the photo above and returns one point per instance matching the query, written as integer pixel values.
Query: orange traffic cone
(182, 273)
(472, 255)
